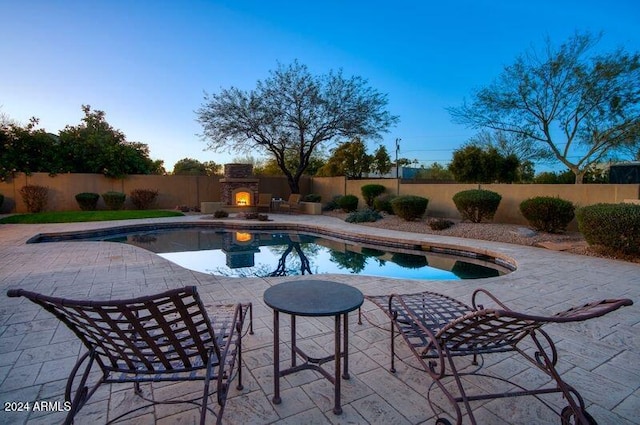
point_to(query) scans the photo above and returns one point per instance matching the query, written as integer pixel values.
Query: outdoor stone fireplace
(238, 186)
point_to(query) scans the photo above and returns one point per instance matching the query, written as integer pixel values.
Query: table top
(313, 298)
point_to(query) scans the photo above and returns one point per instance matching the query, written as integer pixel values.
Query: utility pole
(397, 167)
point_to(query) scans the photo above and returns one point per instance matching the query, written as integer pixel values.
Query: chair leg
(205, 394)
(239, 345)
(83, 393)
(576, 407)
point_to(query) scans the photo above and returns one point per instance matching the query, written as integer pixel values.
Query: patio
(601, 358)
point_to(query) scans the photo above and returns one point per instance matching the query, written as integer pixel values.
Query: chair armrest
(479, 292)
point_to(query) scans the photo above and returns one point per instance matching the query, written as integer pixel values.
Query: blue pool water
(259, 253)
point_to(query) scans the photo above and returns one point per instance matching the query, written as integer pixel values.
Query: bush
(363, 216)
(348, 203)
(312, 197)
(35, 197)
(220, 214)
(143, 199)
(1, 199)
(87, 201)
(476, 205)
(440, 224)
(409, 207)
(114, 200)
(548, 214)
(332, 204)
(383, 203)
(613, 226)
(370, 192)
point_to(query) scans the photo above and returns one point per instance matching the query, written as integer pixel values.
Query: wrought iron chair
(438, 328)
(292, 204)
(164, 337)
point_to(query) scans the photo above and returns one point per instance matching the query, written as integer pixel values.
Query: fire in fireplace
(242, 198)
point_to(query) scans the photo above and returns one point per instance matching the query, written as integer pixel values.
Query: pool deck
(601, 357)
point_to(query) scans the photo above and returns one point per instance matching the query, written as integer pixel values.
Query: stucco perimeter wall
(328, 187)
(441, 203)
(173, 191)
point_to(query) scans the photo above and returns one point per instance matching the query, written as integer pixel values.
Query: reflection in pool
(259, 253)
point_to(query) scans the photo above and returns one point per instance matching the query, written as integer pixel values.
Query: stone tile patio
(601, 358)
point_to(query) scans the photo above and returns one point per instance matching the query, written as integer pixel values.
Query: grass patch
(78, 216)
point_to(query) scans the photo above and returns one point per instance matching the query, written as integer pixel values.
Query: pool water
(264, 254)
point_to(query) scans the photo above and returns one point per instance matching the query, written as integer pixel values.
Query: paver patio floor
(601, 357)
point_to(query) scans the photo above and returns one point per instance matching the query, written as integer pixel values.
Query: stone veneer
(238, 178)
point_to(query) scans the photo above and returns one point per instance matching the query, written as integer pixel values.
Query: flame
(243, 198)
(243, 237)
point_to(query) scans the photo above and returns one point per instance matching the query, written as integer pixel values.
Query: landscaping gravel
(509, 233)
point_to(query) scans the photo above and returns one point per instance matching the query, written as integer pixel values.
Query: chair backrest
(167, 332)
(490, 329)
(264, 198)
(294, 198)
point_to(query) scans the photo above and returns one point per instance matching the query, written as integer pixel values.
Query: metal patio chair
(164, 337)
(292, 204)
(438, 328)
(264, 202)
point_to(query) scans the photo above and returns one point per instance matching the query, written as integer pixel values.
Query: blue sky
(147, 64)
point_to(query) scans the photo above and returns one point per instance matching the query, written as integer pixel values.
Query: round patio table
(313, 298)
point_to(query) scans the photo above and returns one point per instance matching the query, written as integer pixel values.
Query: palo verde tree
(581, 108)
(293, 113)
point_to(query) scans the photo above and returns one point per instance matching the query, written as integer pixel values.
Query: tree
(435, 172)
(473, 164)
(94, 146)
(581, 108)
(193, 167)
(381, 161)
(26, 149)
(291, 114)
(349, 159)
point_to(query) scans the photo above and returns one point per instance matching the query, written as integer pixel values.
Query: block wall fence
(190, 191)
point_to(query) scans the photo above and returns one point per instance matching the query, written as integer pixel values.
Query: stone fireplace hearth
(238, 186)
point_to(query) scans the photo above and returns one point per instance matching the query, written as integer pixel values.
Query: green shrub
(87, 201)
(348, 203)
(383, 203)
(220, 214)
(363, 216)
(440, 224)
(332, 204)
(548, 214)
(143, 199)
(371, 192)
(613, 226)
(312, 197)
(35, 197)
(476, 205)
(1, 199)
(114, 200)
(409, 207)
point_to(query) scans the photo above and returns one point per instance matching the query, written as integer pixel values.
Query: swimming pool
(262, 253)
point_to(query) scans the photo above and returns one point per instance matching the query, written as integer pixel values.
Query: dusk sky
(147, 64)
